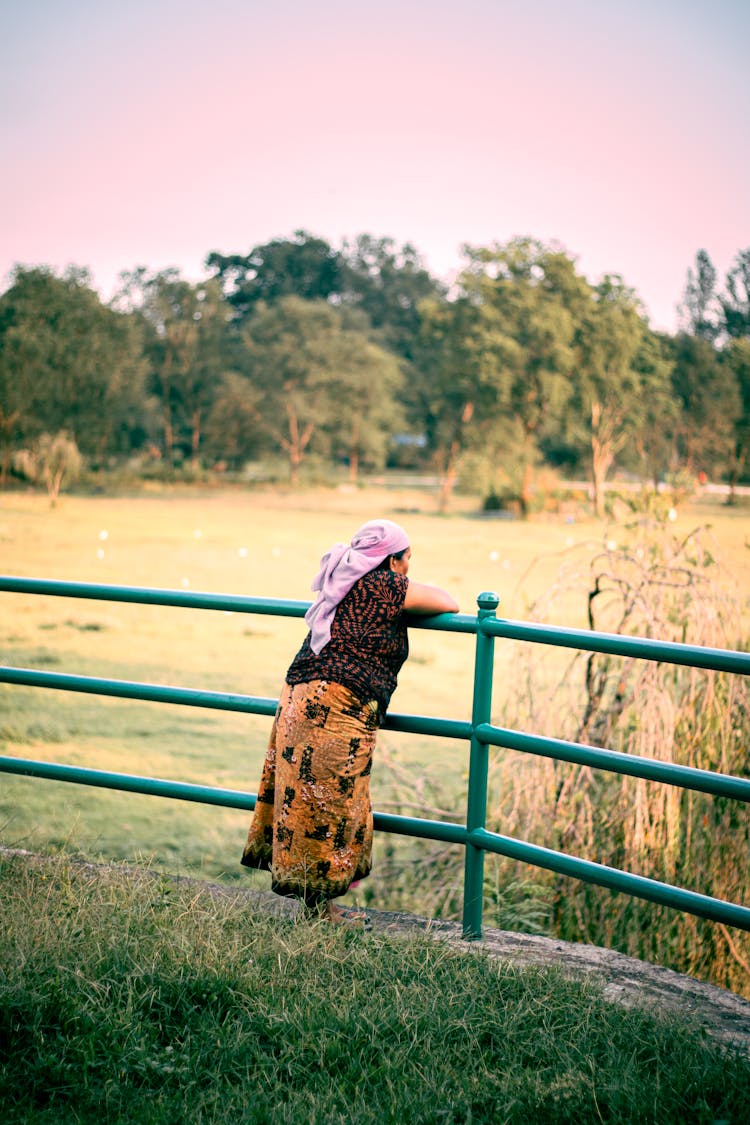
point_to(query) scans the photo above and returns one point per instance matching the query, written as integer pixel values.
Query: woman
(312, 826)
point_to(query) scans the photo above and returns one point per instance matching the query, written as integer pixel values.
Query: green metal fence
(479, 732)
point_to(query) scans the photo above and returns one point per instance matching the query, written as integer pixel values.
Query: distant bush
(53, 460)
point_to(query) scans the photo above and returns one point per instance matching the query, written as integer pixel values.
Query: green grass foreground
(131, 997)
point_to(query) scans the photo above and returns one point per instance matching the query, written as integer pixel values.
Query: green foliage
(520, 906)
(303, 266)
(735, 302)
(461, 386)
(494, 363)
(130, 997)
(524, 360)
(234, 431)
(699, 306)
(736, 357)
(708, 395)
(619, 379)
(188, 349)
(532, 295)
(388, 284)
(322, 380)
(67, 362)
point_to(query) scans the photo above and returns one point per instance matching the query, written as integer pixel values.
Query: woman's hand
(428, 599)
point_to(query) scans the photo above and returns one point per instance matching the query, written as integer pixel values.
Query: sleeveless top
(368, 641)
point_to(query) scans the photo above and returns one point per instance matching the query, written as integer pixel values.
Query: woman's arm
(428, 599)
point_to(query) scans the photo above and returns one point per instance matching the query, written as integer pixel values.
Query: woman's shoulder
(383, 589)
(384, 581)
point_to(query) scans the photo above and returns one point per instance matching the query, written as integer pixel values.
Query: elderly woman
(312, 826)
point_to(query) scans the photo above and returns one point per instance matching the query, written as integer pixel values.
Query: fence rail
(479, 732)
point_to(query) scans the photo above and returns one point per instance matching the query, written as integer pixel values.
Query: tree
(67, 362)
(736, 358)
(462, 386)
(709, 403)
(187, 345)
(302, 266)
(536, 298)
(699, 308)
(387, 282)
(311, 370)
(659, 419)
(735, 302)
(610, 381)
(366, 381)
(9, 420)
(234, 430)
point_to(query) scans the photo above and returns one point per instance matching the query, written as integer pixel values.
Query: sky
(154, 132)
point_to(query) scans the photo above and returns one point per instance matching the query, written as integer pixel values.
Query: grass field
(265, 543)
(130, 997)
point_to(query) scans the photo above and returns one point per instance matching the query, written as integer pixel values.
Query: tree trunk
(165, 384)
(600, 462)
(7, 422)
(168, 436)
(448, 477)
(54, 480)
(354, 451)
(195, 436)
(528, 474)
(602, 456)
(296, 443)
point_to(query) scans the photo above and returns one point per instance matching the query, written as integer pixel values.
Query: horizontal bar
(425, 724)
(689, 902)
(208, 795)
(445, 622)
(651, 769)
(643, 648)
(129, 783)
(720, 660)
(151, 693)
(193, 697)
(195, 599)
(143, 595)
(443, 830)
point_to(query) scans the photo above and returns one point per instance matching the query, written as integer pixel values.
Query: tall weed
(651, 584)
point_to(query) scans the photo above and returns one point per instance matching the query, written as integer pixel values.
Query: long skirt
(312, 825)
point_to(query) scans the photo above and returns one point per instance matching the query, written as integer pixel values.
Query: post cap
(488, 600)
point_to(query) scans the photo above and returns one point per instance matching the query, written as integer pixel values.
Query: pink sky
(154, 132)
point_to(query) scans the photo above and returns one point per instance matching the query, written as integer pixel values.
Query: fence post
(476, 808)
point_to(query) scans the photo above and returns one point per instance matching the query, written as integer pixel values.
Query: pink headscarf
(342, 566)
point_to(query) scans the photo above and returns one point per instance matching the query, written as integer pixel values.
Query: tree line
(358, 356)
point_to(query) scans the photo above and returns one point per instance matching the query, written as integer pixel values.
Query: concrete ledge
(626, 980)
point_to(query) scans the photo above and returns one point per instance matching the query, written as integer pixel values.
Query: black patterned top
(368, 641)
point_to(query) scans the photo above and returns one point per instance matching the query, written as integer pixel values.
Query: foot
(337, 916)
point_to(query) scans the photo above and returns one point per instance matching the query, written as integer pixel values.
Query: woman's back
(368, 644)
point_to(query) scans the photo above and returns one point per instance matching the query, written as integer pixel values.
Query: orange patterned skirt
(312, 825)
